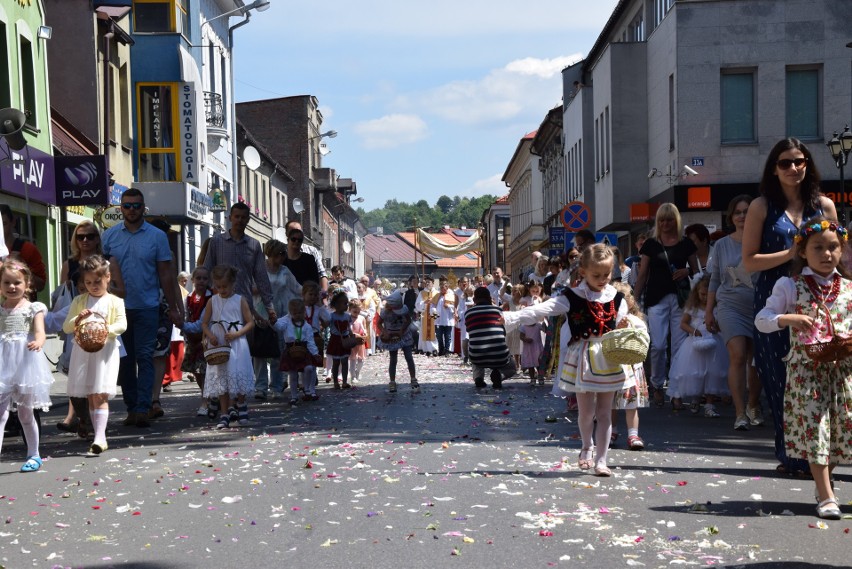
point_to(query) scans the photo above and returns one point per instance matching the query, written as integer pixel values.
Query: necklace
(824, 294)
(603, 313)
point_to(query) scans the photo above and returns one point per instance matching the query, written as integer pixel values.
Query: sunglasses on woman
(785, 163)
(87, 236)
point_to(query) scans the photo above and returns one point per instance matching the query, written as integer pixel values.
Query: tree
(445, 204)
(400, 216)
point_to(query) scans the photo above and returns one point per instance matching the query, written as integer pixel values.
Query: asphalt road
(450, 477)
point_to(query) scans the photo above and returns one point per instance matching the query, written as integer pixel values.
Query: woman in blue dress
(789, 195)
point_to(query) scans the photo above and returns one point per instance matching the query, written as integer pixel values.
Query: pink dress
(531, 351)
(359, 328)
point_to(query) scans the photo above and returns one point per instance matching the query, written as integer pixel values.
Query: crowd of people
(760, 307)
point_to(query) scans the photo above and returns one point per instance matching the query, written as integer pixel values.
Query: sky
(428, 98)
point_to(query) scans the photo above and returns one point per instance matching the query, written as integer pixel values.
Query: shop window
(158, 146)
(737, 108)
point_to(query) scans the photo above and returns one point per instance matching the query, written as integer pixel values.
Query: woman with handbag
(664, 269)
(264, 344)
(85, 242)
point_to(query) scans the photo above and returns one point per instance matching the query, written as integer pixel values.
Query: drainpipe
(233, 105)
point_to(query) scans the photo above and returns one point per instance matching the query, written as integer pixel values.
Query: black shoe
(496, 379)
(479, 383)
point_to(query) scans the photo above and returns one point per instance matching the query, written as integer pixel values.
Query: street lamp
(840, 145)
(259, 5)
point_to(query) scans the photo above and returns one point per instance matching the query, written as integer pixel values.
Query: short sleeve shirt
(138, 254)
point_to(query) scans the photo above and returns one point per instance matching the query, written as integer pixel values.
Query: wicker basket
(626, 346)
(217, 355)
(838, 348)
(297, 352)
(91, 334)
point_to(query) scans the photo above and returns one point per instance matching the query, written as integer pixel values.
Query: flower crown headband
(809, 229)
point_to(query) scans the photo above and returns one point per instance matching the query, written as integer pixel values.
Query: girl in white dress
(25, 377)
(94, 375)
(700, 366)
(227, 318)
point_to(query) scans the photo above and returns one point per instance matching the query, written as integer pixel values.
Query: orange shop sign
(698, 197)
(643, 211)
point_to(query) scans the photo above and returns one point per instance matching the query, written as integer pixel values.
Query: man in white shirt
(338, 276)
(498, 287)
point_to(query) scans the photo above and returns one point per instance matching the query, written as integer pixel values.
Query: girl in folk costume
(228, 318)
(593, 308)
(368, 301)
(193, 361)
(94, 375)
(340, 328)
(632, 398)
(425, 306)
(300, 352)
(318, 316)
(815, 302)
(25, 378)
(394, 335)
(359, 328)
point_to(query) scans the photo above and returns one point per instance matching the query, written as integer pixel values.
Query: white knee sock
(99, 421)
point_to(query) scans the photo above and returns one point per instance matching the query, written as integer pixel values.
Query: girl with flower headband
(818, 396)
(789, 194)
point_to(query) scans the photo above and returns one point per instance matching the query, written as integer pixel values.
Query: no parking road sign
(576, 216)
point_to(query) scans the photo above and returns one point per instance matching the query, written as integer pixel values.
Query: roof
(502, 200)
(67, 139)
(388, 249)
(525, 140)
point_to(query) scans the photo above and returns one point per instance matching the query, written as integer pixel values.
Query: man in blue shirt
(143, 253)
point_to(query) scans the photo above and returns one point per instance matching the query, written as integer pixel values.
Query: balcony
(214, 112)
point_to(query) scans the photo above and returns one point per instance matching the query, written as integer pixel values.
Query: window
(28, 86)
(158, 146)
(671, 113)
(153, 16)
(737, 108)
(5, 85)
(606, 140)
(124, 105)
(803, 109)
(183, 13)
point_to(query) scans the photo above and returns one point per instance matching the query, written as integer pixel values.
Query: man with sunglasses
(239, 250)
(143, 253)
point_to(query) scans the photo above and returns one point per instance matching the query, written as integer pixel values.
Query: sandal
(156, 410)
(32, 464)
(612, 438)
(587, 462)
(828, 509)
(336, 384)
(677, 404)
(659, 398)
(603, 471)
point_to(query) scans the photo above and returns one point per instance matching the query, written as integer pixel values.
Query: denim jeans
(444, 335)
(262, 372)
(136, 370)
(663, 321)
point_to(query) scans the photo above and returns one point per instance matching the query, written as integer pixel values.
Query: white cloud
(493, 185)
(391, 131)
(524, 85)
(545, 68)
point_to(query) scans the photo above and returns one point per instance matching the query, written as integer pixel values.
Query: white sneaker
(710, 411)
(202, 411)
(742, 423)
(755, 415)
